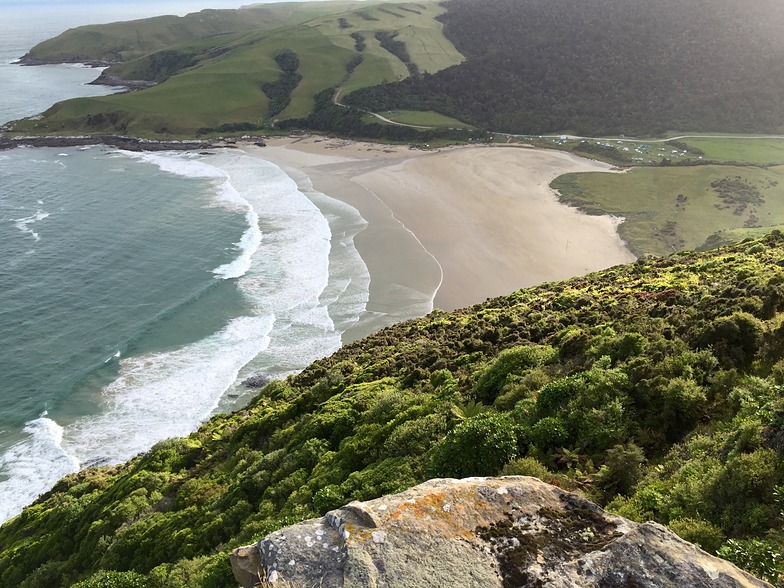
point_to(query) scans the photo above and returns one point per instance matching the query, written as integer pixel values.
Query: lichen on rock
(481, 532)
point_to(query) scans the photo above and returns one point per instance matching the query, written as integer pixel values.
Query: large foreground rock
(483, 533)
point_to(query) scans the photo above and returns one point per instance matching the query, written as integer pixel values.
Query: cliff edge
(480, 532)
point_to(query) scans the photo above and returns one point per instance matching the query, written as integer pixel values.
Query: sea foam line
(25, 462)
(23, 223)
(187, 165)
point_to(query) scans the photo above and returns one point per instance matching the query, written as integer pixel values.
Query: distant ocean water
(138, 290)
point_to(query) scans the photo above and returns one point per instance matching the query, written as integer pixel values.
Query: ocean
(137, 291)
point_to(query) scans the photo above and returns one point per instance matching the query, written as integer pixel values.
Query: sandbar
(462, 223)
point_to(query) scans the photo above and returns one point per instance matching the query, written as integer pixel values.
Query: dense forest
(604, 67)
(655, 389)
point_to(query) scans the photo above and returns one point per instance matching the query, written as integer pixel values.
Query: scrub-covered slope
(654, 389)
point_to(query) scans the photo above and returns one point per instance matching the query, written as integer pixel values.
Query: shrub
(415, 437)
(549, 433)
(479, 446)
(328, 498)
(743, 490)
(557, 394)
(527, 466)
(116, 580)
(703, 534)
(735, 339)
(511, 361)
(684, 403)
(760, 557)
(622, 469)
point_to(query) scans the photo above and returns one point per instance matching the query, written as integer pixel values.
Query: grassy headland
(695, 188)
(217, 84)
(653, 388)
(125, 41)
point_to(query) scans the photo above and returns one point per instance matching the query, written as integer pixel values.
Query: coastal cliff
(480, 532)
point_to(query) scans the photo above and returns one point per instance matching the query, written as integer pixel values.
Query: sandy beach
(465, 223)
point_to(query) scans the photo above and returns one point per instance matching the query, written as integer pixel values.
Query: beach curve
(484, 217)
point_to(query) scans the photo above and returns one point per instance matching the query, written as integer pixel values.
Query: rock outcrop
(480, 532)
(118, 141)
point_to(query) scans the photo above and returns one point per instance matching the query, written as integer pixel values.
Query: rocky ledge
(120, 142)
(480, 533)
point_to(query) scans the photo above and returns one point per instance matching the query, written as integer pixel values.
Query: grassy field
(673, 208)
(759, 151)
(425, 119)
(730, 236)
(225, 89)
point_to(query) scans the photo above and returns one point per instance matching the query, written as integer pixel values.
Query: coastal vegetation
(654, 389)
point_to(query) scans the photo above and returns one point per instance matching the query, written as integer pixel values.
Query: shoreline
(456, 225)
(483, 217)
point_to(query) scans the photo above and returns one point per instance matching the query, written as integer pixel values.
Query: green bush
(549, 433)
(527, 466)
(622, 469)
(328, 498)
(735, 339)
(703, 534)
(415, 437)
(557, 394)
(478, 446)
(684, 402)
(511, 361)
(743, 492)
(758, 556)
(116, 580)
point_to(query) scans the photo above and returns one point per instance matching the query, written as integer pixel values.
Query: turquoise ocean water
(137, 290)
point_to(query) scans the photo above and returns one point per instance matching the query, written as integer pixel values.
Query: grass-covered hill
(605, 67)
(656, 389)
(124, 41)
(246, 81)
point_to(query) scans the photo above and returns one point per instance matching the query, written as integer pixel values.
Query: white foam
(184, 164)
(168, 394)
(23, 224)
(33, 465)
(192, 166)
(248, 245)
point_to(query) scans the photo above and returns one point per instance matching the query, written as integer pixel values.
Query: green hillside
(219, 84)
(655, 388)
(124, 41)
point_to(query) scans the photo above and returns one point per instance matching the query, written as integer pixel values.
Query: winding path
(336, 101)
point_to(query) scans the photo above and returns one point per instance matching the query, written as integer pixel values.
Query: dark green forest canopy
(655, 388)
(605, 67)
